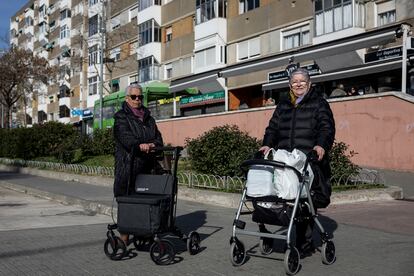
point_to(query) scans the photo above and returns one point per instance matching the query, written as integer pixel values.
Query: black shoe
(306, 251)
(267, 241)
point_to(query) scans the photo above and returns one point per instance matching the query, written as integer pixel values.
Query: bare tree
(19, 70)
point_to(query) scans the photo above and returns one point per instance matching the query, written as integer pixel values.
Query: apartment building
(348, 42)
(233, 52)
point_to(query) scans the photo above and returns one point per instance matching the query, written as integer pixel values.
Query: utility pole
(405, 30)
(85, 59)
(101, 67)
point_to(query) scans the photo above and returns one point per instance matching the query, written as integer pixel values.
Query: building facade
(234, 52)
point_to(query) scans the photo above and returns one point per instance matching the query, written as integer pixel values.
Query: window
(296, 37)
(210, 9)
(115, 85)
(133, 13)
(92, 2)
(247, 5)
(64, 14)
(43, 27)
(143, 4)
(148, 69)
(168, 34)
(64, 32)
(149, 31)
(64, 91)
(332, 15)
(168, 71)
(28, 21)
(93, 85)
(248, 49)
(94, 25)
(64, 72)
(52, 25)
(64, 111)
(205, 58)
(115, 22)
(386, 18)
(115, 54)
(133, 79)
(42, 11)
(93, 56)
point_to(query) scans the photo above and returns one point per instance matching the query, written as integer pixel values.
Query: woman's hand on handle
(264, 149)
(146, 147)
(320, 151)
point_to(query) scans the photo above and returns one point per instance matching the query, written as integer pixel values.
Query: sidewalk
(95, 193)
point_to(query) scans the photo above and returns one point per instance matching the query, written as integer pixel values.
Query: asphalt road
(373, 238)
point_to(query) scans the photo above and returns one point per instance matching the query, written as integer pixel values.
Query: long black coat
(308, 124)
(129, 133)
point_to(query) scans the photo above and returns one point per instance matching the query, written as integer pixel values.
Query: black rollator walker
(288, 212)
(149, 214)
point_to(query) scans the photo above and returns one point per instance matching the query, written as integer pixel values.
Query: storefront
(212, 102)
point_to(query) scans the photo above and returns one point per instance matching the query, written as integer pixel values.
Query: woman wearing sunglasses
(135, 133)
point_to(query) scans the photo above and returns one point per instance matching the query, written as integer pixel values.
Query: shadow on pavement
(14, 173)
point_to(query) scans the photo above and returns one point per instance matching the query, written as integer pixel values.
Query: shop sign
(383, 54)
(313, 69)
(87, 113)
(76, 112)
(202, 98)
(167, 101)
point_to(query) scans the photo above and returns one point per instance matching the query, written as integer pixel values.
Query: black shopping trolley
(149, 214)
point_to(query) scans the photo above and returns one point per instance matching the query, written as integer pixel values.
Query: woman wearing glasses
(135, 133)
(304, 121)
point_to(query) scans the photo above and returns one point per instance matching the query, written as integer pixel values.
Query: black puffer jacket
(308, 124)
(129, 133)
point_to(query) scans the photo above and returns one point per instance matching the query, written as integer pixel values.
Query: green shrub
(341, 164)
(221, 150)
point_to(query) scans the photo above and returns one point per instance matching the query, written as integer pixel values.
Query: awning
(317, 51)
(371, 68)
(194, 80)
(313, 52)
(160, 90)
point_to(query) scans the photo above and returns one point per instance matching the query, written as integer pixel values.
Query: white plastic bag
(260, 180)
(286, 181)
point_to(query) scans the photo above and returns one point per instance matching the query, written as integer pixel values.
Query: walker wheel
(193, 243)
(328, 252)
(162, 252)
(266, 246)
(292, 261)
(237, 253)
(114, 248)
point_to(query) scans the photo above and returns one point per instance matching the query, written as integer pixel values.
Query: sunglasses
(134, 97)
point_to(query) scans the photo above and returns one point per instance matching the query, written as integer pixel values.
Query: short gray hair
(300, 71)
(132, 86)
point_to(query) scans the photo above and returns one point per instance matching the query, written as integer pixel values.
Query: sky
(7, 9)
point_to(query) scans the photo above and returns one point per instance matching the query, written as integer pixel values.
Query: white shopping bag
(260, 180)
(285, 180)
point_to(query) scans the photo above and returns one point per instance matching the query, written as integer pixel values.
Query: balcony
(149, 73)
(216, 26)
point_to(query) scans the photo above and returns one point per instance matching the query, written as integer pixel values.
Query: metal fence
(189, 178)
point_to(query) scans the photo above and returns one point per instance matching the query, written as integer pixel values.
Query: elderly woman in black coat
(135, 133)
(304, 121)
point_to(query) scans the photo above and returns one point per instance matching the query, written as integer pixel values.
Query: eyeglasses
(135, 97)
(295, 84)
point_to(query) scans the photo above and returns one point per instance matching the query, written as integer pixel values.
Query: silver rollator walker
(294, 209)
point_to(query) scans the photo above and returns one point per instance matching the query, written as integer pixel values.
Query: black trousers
(304, 231)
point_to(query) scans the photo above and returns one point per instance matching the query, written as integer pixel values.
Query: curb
(65, 200)
(229, 200)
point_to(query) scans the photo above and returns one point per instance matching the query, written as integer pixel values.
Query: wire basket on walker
(149, 214)
(280, 195)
